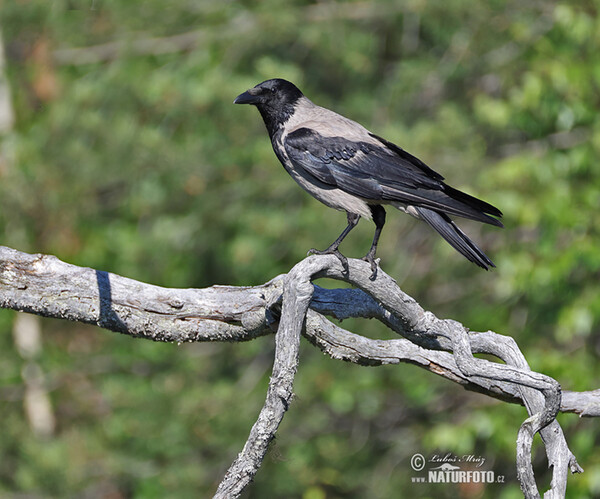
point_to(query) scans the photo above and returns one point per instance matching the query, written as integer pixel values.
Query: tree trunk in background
(7, 117)
(26, 328)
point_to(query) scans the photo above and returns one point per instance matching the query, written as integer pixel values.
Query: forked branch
(292, 305)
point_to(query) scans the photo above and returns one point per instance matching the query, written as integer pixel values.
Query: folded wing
(379, 171)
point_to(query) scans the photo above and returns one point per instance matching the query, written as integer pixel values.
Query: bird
(346, 167)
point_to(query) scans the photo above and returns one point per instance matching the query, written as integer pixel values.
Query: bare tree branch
(292, 305)
(344, 345)
(43, 285)
(297, 293)
(543, 402)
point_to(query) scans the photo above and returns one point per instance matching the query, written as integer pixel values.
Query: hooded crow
(348, 168)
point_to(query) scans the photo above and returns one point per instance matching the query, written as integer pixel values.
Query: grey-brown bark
(291, 305)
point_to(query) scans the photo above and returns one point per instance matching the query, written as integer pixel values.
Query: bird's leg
(379, 218)
(353, 219)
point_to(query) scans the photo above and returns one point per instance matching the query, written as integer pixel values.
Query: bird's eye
(273, 90)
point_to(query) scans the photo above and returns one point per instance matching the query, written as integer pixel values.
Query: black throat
(275, 118)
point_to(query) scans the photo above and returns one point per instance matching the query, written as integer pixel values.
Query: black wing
(381, 173)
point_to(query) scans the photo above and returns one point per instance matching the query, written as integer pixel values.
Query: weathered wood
(44, 285)
(292, 305)
(297, 293)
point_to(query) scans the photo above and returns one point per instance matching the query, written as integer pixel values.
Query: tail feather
(473, 202)
(455, 236)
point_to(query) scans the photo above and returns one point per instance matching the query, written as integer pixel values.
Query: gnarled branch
(292, 305)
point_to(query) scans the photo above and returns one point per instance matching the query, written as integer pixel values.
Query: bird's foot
(369, 257)
(331, 251)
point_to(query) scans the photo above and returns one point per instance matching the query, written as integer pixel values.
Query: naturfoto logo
(448, 468)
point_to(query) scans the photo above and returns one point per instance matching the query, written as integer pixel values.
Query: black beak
(247, 98)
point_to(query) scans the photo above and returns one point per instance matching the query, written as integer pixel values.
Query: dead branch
(292, 305)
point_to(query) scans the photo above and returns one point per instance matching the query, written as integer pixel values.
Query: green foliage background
(140, 165)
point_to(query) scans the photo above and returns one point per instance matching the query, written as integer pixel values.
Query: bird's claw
(331, 251)
(374, 265)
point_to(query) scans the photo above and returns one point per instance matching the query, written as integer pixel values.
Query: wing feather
(380, 173)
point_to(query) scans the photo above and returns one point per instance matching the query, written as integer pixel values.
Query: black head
(274, 93)
(275, 99)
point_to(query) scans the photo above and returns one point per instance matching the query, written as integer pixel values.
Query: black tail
(475, 203)
(456, 237)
